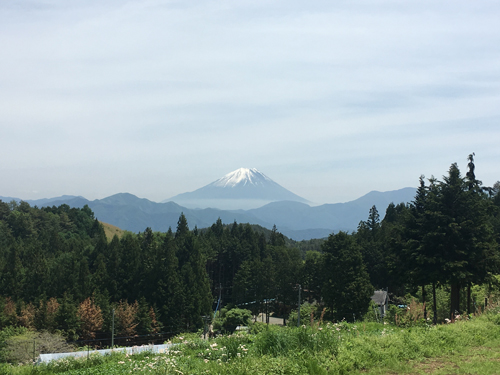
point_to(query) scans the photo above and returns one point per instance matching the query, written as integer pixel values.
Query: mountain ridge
(296, 220)
(243, 188)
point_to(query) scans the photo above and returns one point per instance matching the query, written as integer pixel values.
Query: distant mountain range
(243, 188)
(295, 220)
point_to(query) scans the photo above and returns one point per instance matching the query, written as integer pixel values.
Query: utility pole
(298, 310)
(113, 330)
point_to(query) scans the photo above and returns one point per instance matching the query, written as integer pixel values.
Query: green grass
(484, 360)
(465, 347)
(110, 231)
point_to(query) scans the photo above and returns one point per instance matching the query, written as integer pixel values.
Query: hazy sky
(330, 99)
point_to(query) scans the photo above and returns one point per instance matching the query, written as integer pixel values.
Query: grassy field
(111, 230)
(484, 360)
(464, 347)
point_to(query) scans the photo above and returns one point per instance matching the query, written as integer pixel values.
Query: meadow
(470, 346)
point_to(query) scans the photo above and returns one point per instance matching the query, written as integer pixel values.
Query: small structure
(381, 299)
(164, 348)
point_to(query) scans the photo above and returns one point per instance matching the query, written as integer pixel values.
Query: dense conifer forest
(59, 272)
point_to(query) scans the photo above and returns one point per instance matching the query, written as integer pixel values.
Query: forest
(59, 272)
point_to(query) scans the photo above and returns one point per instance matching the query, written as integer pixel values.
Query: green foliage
(257, 327)
(5, 335)
(67, 318)
(307, 311)
(236, 317)
(26, 346)
(443, 242)
(228, 320)
(449, 235)
(347, 289)
(340, 348)
(280, 342)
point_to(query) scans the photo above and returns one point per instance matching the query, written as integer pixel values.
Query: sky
(330, 99)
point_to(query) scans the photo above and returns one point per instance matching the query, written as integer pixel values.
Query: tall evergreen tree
(371, 248)
(423, 254)
(194, 278)
(347, 289)
(66, 318)
(172, 305)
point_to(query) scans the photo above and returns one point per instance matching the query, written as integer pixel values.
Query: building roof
(380, 297)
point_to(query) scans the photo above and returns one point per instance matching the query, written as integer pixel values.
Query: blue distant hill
(294, 219)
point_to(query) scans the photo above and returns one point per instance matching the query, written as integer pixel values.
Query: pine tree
(67, 317)
(27, 316)
(113, 264)
(143, 318)
(312, 276)
(450, 234)
(467, 234)
(13, 275)
(392, 245)
(198, 298)
(173, 302)
(347, 289)
(126, 318)
(132, 266)
(91, 319)
(371, 247)
(423, 260)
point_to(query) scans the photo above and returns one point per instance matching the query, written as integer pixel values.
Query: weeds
(331, 348)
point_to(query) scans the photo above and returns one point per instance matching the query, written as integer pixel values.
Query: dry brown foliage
(126, 315)
(91, 317)
(155, 326)
(45, 314)
(322, 316)
(413, 315)
(9, 311)
(27, 316)
(52, 307)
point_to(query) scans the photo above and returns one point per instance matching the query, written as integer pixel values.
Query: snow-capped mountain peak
(242, 176)
(243, 188)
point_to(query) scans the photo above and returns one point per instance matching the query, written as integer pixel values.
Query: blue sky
(329, 99)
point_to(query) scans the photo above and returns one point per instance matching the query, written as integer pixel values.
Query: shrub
(412, 316)
(28, 345)
(5, 335)
(279, 341)
(257, 327)
(230, 319)
(308, 314)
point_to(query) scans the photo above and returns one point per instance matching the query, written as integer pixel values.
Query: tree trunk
(434, 307)
(455, 300)
(423, 301)
(468, 299)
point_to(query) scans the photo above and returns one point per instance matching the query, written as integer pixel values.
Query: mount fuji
(243, 188)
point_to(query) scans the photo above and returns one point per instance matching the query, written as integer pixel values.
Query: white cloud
(330, 99)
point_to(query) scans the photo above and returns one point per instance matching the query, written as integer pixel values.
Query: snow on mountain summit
(242, 176)
(243, 188)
